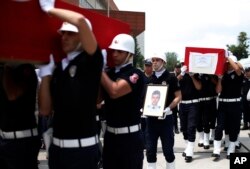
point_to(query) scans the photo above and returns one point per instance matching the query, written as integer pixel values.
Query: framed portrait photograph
(155, 100)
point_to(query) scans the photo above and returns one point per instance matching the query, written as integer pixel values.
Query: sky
(172, 25)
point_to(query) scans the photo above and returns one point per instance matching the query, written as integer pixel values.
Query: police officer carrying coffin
(190, 85)
(246, 99)
(229, 110)
(123, 88)
(71, 93)
(19, 141)
(208, 108)
(162, 127)
(177, 71)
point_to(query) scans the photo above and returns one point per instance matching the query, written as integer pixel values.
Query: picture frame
(155, 100)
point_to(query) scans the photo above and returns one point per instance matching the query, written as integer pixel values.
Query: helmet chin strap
(159, 69)
(127, 60)
(79, 47)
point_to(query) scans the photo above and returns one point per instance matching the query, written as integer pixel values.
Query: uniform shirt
(188, 90)
(231, 85)
(125, 110)
(19, 114)
(74, 94)
(167, 79)
(245, 87)
(208, 87)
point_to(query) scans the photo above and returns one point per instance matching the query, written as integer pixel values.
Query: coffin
(27, 34)
(205, 60)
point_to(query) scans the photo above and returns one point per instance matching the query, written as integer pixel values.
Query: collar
(72, 55)
(159, 73)
(118, 68)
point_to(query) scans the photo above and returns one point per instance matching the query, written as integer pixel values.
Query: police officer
(19, 140)
(72, 91)
(229, 110)
(207, 113)
(177, 71)
(148, 72)
(190, 85)
(162, 127)
(148, 69)
(123, 88)
(245, 100)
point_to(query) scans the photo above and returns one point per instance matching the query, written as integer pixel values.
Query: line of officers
(72, 90)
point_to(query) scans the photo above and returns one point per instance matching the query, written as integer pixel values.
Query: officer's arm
(218, 85)
(44, 97)
(196, 82)
(115, 89)
(87, 38)
(176, 100)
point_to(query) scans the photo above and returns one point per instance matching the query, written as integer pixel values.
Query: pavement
(201, 159)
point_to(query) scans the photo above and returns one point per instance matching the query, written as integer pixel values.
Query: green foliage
(171, 60)
(240, 50)
(138, 57)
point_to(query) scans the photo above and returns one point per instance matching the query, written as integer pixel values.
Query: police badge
(72, 70)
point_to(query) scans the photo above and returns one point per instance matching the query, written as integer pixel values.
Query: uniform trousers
(246, 110)
(206, 116)
(229, 117)
(19, 153)
(188, 118)
(162, 129)
(123, 151)
(74, 158)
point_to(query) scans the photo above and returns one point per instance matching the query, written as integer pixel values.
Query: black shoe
(176, 131)
(183, 154)
(245, 127)
(211, 141)
(100, 166)
(216, 157)
(228, 157)
(188, 159)
(200, 144)
(206, 147)
(238, 146)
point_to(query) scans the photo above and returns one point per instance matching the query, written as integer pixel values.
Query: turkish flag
(205, 60)
(27, 34)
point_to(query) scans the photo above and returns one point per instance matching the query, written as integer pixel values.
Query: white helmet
(159, 55)
(72, 28)
(123, 42)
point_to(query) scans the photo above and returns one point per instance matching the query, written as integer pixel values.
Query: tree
(138, 57)
(241, 50)
(171, 60)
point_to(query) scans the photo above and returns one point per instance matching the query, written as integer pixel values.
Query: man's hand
(167, 111)
(183, 70)
(104, 55)
(47, 5)
(48, 69)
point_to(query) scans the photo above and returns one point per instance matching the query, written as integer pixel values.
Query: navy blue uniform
(245, 102)
(19, 141)
(208, 95)
(189, 107)
(162, 128)
(229, 110)
(123, 142)
(74, 95)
